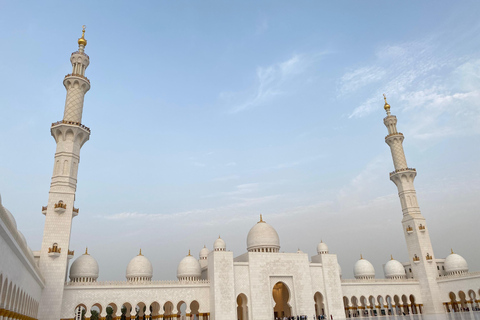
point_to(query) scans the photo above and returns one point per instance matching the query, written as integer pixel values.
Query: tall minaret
(420, 250)
(70, 135)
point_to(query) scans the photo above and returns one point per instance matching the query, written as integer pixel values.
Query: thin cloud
(271, 82)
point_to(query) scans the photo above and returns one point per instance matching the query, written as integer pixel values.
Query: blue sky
(205, 114)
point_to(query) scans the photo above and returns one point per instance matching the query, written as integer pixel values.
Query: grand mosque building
(260, 284)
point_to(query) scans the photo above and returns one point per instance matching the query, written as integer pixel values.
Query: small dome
(139, 269)
(189, 268)
(82, 41)
(455, 264)
(8, 218)
(322, 248)
(263, 238)
(363, 269)
(204, 253)
(219, 245)
(84, 269)
(394, 270)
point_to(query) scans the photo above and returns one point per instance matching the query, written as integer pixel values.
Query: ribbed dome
(322, 248)
(219, 245)
(84, 269)
(455, 264)
(189, 268)
(263, 238)
(139, 269)
(394, 270)
(363, 269)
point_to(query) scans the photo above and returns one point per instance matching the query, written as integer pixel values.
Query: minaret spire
(70, 135)
(416, 234)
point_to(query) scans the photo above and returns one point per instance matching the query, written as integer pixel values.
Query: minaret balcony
(75, 211)
(60, 207)
(44, 210)
(402, 170)
(71, 123)
(416, 259)
(394, 134)
(70, 254)
(77, 75)
(429, 258)
(421, 227)
(409, 230)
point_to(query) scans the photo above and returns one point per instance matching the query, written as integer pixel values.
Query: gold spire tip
(189, 252)
(261, 218)
(386, 106)
(86, 250)
(391, 257)
(82, 41)
(140, 253)
(451, 250)
(361, 257)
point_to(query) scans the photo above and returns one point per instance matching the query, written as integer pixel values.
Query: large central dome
(263, 238)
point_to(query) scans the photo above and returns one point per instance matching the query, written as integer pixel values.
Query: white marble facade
(260, 284)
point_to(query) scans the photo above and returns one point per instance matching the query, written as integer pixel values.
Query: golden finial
(140, 253)
(82, 41)
(189, 252)
(361, 257)
(86, 250)
(386, 106)
(451, 250)
(391, 257)
(261, 219)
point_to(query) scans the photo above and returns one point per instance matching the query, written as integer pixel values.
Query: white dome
(189, 268)
(263, 237)
(204, 253)
(8, 218)
(139, 269)
(219, 245)
(455, 264)
(84, 269)
(394, 270)
(363, 269)
(322, 248)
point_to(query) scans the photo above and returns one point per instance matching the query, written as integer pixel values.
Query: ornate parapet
(77, 75)
(60, 207)
(409, 230)
(54, 250)
(155, 283)
(402, 170)
(416, 259)
(70, 254)
(421, 227)
(75, 211)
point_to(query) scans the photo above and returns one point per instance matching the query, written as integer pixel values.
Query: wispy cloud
(440, 94)
(271, 82)
(227, 178)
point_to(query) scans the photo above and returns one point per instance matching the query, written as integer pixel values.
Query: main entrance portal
(281, 296)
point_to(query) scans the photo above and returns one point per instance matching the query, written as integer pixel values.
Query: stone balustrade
(72, 123)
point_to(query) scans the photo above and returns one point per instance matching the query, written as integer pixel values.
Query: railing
(60, 204)
(72, 123)
(71, 252)
(378, 280)
(460, 275)
(82, 53)
(404, 169)
(137, 283)
(77, 75)
(44, 208)
(54, 249)
(394, 134)
(75, 210)
(416, 258)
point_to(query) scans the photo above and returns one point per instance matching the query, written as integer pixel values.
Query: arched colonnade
(15, 303)
(463, 302)
(388, 306)
(126, 311)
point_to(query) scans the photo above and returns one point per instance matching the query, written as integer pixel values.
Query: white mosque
(260, 284)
